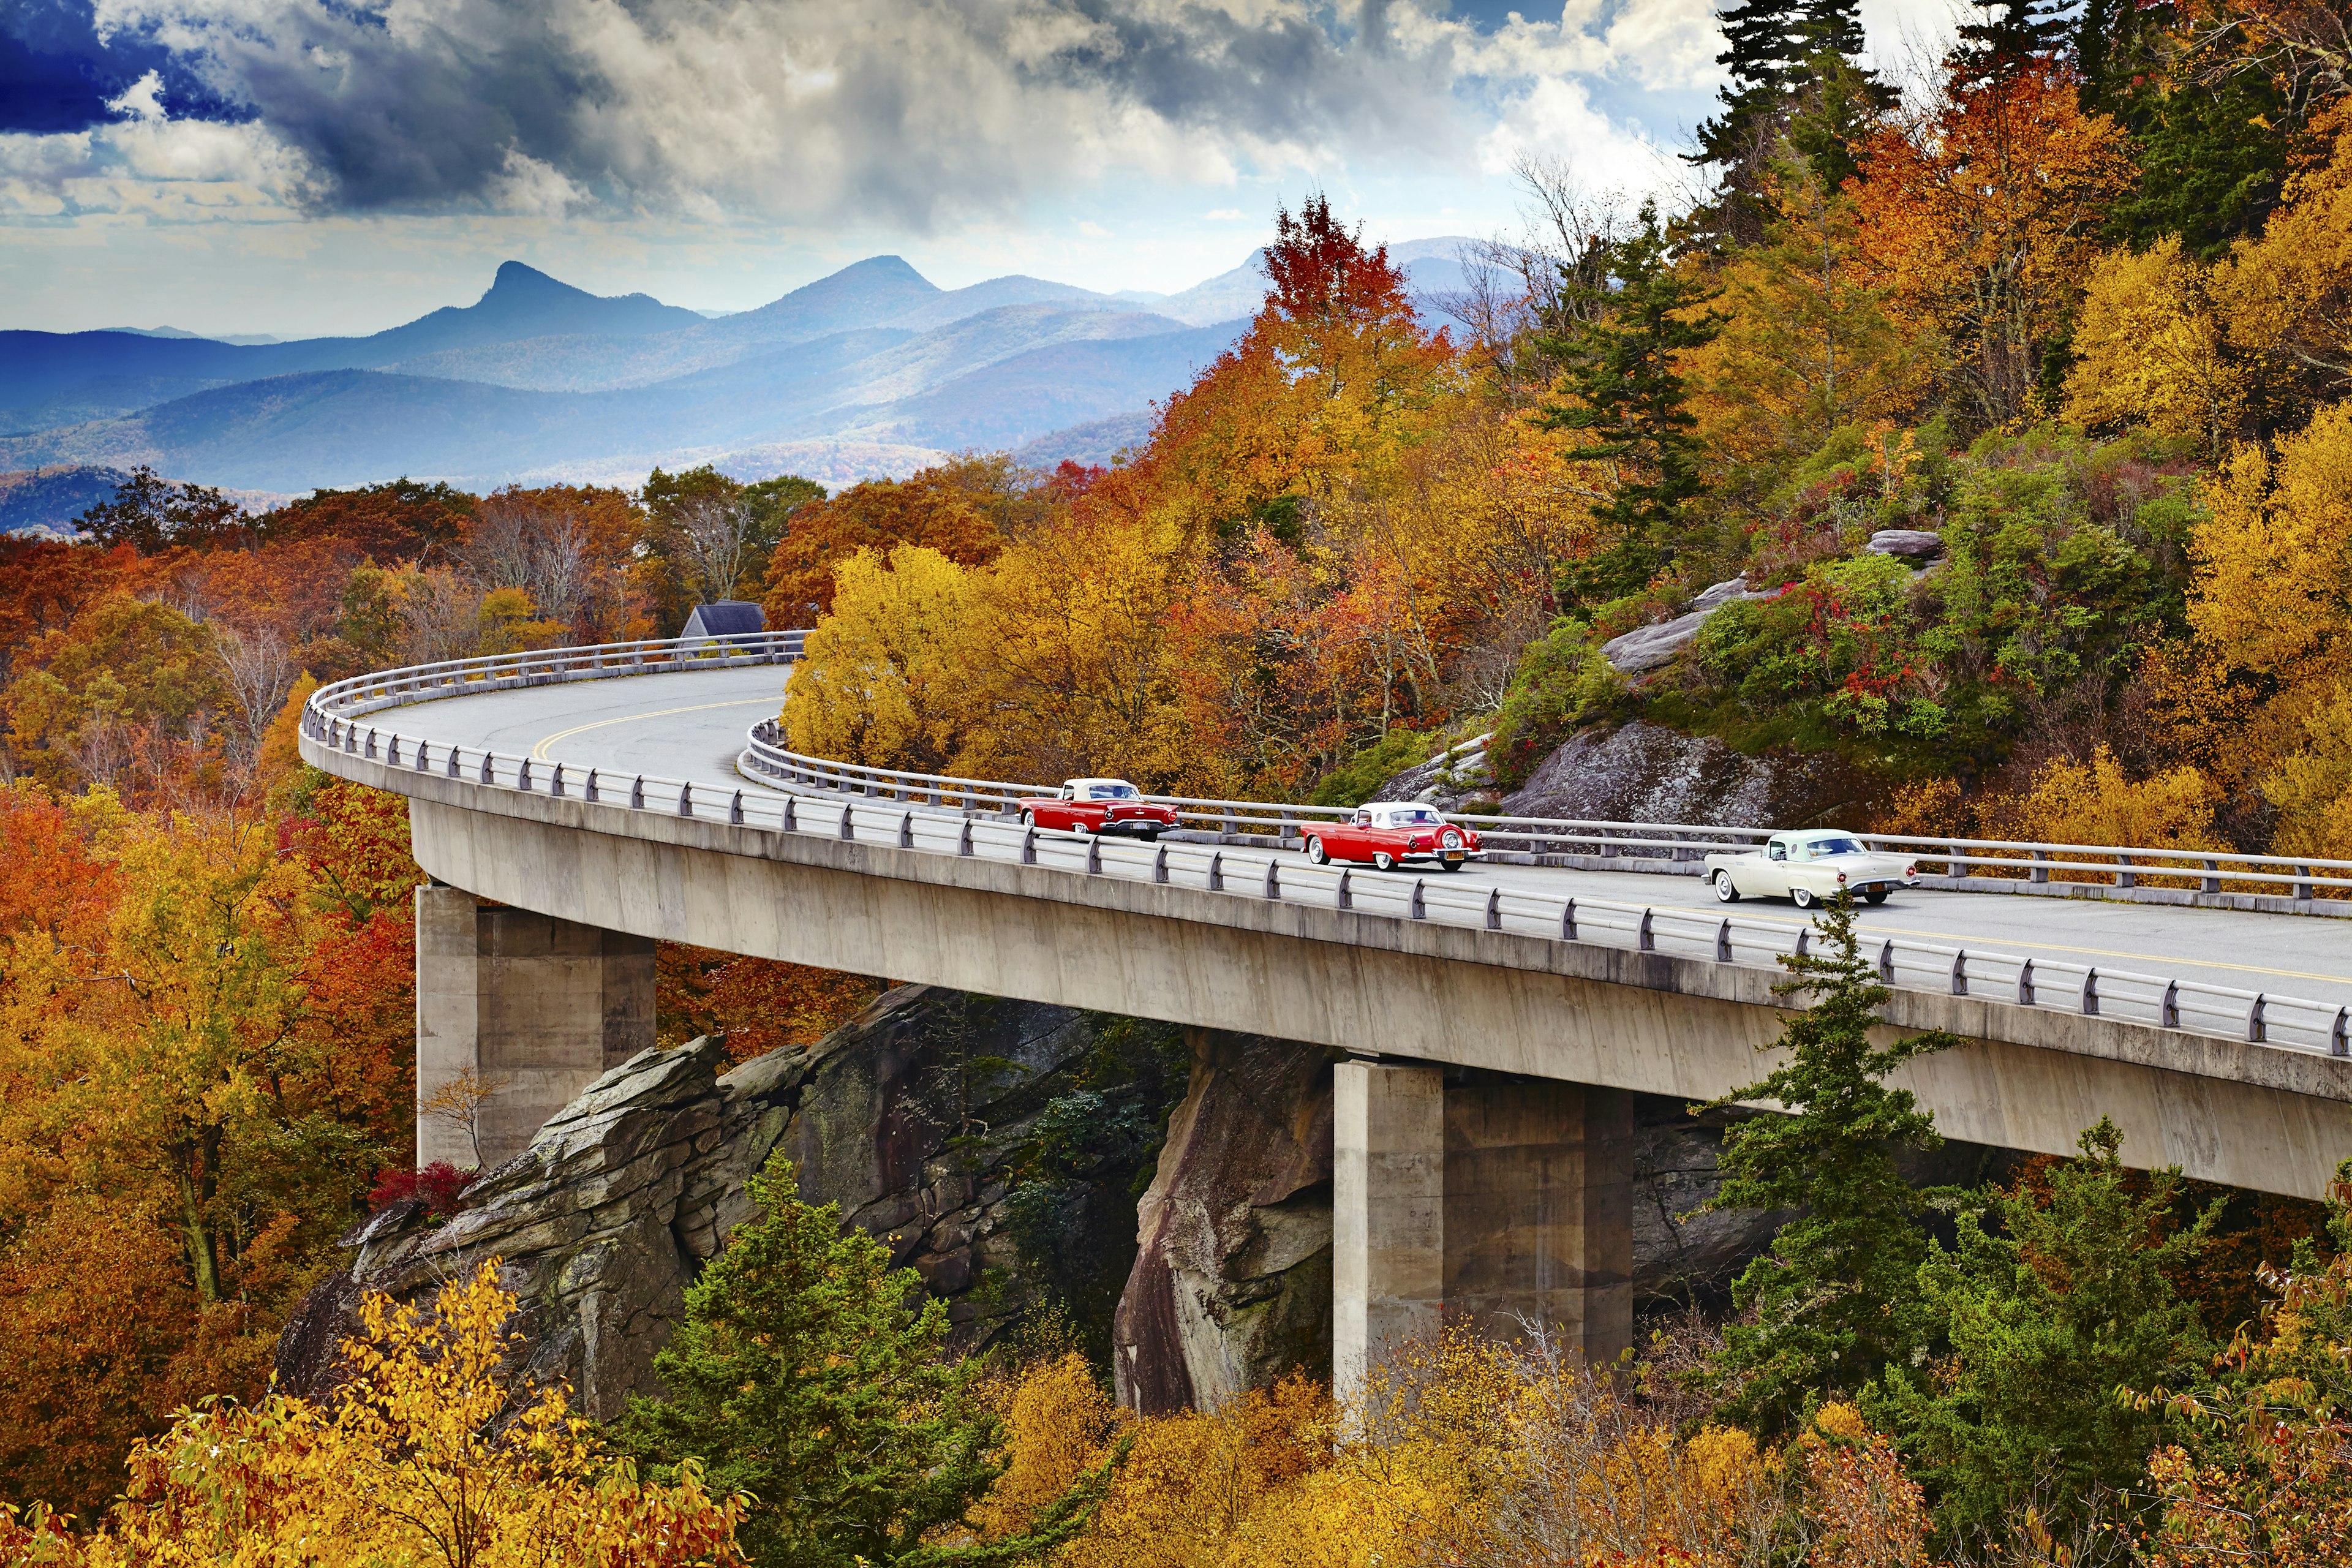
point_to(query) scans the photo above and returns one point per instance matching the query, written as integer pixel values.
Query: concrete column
(1538, 1211)
(1388, 1212)
(535, 1006)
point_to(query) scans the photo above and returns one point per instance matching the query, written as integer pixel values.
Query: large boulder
(909, 1117)
(1642, 772)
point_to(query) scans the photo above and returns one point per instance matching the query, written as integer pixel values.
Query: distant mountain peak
(519, 280)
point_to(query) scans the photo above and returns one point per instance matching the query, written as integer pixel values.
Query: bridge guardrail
(333, 718)
(2027, 860)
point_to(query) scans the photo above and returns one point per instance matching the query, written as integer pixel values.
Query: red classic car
(1390, 833)
(1100, 805)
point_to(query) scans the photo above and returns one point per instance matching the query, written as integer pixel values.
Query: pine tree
(1834, 1302)
(802, 1375)
(2054, 1303)
(2011, 34)
(1776, 52)
(1619, 341)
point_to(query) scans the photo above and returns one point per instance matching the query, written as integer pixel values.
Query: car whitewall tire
(1804, 897)
(1384, 860)
(1724, 891)
(1316, 853)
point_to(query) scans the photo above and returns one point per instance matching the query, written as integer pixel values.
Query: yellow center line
(539, 751)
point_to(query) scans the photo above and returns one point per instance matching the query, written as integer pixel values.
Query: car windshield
(1835, 846)
(1412, 816)
(1112, 792)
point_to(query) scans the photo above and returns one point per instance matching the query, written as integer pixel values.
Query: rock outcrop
(909, 1117)
(1651, 647)
(912, 1117)
(1642, 772)
(1231, 1282)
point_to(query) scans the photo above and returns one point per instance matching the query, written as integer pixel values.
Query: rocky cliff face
(1231, 1283)
(933, 1118)
(911, 1117)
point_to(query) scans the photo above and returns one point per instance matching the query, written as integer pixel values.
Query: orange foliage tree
(1980, 217)
(962, 509)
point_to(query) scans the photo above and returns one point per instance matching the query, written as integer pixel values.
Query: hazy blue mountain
(1014, 402)
(52, 498)
(990, 380)
(538, 379)
(242, 340)
(521, 303)
(1095, 444)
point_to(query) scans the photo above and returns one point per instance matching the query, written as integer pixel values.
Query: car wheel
(1874, 899)
(1384, 860)
(1724, 891)
(1150, 836)
(1316, 853)
(1451, 865)
(1028, 819)
(1804, 897)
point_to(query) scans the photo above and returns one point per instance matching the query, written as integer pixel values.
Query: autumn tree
(2151, 349)
(151, 513)
(398, 521)
(428, 1452)
(885, 678)
(1806, 346)
(962, 511)
(86, 691)
(1980, 218)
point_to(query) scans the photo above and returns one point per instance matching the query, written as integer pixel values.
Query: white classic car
(1810, 866)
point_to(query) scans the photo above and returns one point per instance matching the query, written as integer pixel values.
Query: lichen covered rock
(909, 1117)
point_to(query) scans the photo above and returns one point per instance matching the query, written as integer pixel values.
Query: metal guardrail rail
(879, 805)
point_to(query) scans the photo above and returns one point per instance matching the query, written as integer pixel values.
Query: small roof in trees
(725, 619)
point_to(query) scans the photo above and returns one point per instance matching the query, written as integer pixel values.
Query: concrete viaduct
(600, 803)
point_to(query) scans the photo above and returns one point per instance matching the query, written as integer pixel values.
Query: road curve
(690, 725)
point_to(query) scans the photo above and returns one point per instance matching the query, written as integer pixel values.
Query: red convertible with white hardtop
(1391, 833)
(1100, 805)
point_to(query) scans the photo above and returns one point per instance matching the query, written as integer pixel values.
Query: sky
(300, 167)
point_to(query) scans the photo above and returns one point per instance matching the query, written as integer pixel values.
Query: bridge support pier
(1488, 1201)
(534, 1006)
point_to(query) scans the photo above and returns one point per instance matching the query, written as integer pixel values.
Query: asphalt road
(691, 726)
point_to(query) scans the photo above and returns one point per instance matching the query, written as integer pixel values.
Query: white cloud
(920, 115)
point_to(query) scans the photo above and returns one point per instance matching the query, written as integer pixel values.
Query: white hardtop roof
(1400, 806)
(1806, 835)
(1097, 781)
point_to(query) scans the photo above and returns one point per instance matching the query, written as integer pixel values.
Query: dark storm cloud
(906, 110)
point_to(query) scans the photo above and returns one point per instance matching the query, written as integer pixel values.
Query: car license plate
(1454, 855)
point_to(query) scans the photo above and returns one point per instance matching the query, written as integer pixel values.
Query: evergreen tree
(1618, 340)
(2007, 35)
(1834, 1302)
(1775, 52)
(2055, 1304)
(802, 1375)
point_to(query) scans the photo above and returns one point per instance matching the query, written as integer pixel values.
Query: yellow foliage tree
(2312, 788)
(428, 1456)
(885, 677)
(2274, 555)
(1068, 644)
(2287, 295)
(2151, 349)
(2095, 802)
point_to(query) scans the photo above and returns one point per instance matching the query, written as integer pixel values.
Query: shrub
(441, 1185)
(1562, 683)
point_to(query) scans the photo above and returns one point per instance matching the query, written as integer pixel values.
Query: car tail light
(1911, 870)
(1840, 876)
